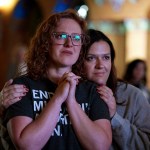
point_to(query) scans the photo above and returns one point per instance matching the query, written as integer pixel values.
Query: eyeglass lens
(60, 38)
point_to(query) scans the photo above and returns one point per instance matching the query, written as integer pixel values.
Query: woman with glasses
(59, 111)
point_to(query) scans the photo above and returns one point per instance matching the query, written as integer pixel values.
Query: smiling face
(97, 64)
(65, 55)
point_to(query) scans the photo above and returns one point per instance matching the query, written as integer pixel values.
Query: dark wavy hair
(128, 76)
(37, 56)
(96, 36)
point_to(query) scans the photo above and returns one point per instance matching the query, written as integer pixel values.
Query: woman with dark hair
(129, 110)
(58, 112)
(135, 74)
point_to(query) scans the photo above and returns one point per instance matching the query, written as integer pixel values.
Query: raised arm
(130, 117)
(91, 134)
(27, 133)
(11, 93)
(108, 97)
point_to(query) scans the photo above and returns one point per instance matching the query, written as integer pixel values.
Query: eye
(90, 58)
(60, 36)
(107, 57)
(63, 36)
(76, 37)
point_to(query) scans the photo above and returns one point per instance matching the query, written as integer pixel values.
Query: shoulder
(20, 79)
(87, 83)
(86, 86)
(125, 88)
(87, 89)
(127, 92)
(25, 79)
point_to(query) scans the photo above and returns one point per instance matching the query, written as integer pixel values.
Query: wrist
(111, 117)
(57, 100)
(71, 103)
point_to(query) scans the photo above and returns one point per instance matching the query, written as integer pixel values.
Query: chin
(100, 82)
(67, 63)
(70, 62)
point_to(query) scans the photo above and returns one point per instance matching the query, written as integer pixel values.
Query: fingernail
(26, 89)
(24, 93)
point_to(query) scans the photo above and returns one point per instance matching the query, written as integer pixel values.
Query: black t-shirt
(40, 92)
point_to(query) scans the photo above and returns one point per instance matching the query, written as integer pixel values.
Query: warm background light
(6, 6)
(136, 45)
(136, 38)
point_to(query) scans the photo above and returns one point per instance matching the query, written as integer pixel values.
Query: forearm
(35, 134)
(90, 134)
(127, 135)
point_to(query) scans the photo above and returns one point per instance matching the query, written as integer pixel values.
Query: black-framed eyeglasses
(61, 37)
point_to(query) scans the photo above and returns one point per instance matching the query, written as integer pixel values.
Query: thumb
(9, 82)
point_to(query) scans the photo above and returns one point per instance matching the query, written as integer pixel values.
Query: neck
(54, 74)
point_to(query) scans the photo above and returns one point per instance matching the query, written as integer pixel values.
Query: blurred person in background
(135, 74)
(17, 60)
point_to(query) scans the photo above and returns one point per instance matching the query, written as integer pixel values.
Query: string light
(83, 11)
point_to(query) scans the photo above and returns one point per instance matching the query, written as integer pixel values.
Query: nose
(99, 63)
(68, 42)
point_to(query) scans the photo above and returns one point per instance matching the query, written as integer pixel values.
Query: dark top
(41, 91)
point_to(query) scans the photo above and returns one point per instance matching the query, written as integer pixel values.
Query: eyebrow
(99, 54)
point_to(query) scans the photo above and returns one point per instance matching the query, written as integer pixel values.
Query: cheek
(52, 49)
(78, 49)
(86, 67)
(109, 67)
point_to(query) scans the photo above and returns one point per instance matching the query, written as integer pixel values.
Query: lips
(67, 52)
(99, 73)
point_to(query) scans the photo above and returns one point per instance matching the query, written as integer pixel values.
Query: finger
(102, 91)
(14, 90)
(69, 74)
(9, 82)
(63, 78)
(70, 77)
(14, 87)
(104, 94)
(73, 78)
(105, 89)
(105, 98)
(6, 86)
(14, 95)
(108, 90)
(108, 99)
(6, 104)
